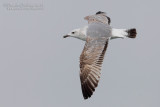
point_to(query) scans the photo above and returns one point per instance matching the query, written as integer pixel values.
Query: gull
(96, 35)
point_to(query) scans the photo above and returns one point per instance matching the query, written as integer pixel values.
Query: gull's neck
(82, 33)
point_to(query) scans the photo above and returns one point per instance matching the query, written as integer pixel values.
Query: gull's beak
(65, 36)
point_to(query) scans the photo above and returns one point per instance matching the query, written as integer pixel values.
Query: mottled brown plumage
(92, 56)
(90, 64)
(98, 17)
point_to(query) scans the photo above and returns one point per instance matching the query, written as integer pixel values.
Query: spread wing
(98, 17)
(90, 64)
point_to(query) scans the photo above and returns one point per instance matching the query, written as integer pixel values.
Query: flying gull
(97, 34)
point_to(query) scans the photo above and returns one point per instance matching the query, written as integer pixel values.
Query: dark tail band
(131, 33)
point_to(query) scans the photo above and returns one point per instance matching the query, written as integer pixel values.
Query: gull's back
(98, 29)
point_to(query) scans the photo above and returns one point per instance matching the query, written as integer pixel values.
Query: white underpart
(118, 33)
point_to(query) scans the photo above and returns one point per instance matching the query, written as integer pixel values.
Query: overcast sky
(38, 68)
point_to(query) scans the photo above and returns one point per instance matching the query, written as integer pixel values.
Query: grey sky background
(38, 68)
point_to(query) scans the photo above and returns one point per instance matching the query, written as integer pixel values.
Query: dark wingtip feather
(86, 91)
(88, 87)
(109, 20)
(99, 12)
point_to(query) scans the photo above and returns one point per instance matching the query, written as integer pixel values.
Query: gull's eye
(73, 32)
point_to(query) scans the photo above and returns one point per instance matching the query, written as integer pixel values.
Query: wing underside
(90, 64)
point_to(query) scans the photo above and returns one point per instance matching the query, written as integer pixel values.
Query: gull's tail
(131, 33)
(122, 33)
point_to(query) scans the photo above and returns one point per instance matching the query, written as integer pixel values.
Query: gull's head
(77, 33)
(73, 33)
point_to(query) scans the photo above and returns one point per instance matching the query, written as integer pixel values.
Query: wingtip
(100, 12)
